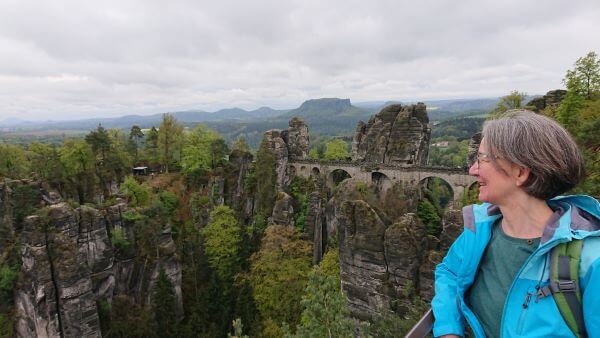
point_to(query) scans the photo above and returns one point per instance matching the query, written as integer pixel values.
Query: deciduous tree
(170, 136)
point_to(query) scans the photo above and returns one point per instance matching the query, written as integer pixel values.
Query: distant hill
(324, 116)
(327, 116)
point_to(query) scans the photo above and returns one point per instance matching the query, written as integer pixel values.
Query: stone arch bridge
(381, 174)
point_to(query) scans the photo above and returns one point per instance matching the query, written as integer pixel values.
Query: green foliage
(456, 129)
(104, 309)
(325, 312)
(390, 325)
(164, 306)
(138, 195)
(514, 100)
(169, 202)
(336, 149)
(240, 145)
(584, 78)
(362, 189)
(119, 241)
(330, 264)
(132, 216)
(26, 198)
(470, 196)
(45, 162)
(128, 319)
(13, 161)
(198, 152)
(222, 240)
(278, 276)
(6, 326)
(454, 155)
(427, 213)
(169, 141)
(8, 276)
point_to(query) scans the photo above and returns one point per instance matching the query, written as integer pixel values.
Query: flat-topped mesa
(398, 134)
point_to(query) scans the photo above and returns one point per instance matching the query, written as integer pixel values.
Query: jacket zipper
(525, 305)
(522, 317)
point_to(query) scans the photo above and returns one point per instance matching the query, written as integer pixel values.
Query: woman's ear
(522, 174)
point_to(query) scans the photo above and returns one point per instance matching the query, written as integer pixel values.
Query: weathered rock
(396, 135)
(69, 263)
(552, 98)
(473, 148)
(239, 199)
(314, 225)
(297, 139)
(452, 227)
(283, 211)
(55, 295)
(279, 149)
(384, 254)
(362, 259)
(217, 191)
(291, 143)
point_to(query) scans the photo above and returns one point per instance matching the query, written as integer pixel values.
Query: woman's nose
(474, 169)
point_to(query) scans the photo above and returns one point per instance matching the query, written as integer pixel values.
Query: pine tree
(164, 306)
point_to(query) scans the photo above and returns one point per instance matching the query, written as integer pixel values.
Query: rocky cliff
(69, 263)
(551, 99)
(396, 135)
(291, 143)
(385, 251)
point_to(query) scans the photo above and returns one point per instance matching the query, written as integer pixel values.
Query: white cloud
(67, 59)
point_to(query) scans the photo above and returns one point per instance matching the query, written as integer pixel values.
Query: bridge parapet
(374, 166)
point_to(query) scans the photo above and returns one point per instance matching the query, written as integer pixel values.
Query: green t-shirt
(499, 265)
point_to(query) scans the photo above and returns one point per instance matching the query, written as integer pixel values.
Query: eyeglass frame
(482, 157)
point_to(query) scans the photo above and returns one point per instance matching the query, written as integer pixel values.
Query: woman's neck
(525, 217)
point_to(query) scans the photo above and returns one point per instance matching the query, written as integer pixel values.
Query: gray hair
(539, 143)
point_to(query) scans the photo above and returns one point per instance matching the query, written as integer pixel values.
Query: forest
(242, 275)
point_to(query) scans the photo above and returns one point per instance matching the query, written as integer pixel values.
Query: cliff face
(552, 99)
(288, 144)
(69, 264)
(396, 135)
(384, 255)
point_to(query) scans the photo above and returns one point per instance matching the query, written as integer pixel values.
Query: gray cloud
(66, 59)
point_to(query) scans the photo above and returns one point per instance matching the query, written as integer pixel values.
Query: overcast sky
(73, 59)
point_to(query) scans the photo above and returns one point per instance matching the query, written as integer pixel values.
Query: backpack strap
(564, 284)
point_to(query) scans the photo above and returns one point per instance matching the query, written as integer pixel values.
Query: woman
(492, 275)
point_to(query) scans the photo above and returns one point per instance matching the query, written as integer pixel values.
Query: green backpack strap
(564, 284)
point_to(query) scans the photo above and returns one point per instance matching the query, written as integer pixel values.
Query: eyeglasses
(483, 157)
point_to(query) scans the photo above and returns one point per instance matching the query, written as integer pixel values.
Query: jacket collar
(576, 216)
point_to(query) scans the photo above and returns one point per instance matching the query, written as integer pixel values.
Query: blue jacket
(575, 217)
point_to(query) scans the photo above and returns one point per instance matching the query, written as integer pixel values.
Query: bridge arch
(336, 177)
(444, 190)
(292, 170)
(315, 171)
(381, 181)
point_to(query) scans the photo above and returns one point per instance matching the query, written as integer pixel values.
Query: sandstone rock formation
(552, 98)
(384, 254)
(283, 211)
(273, 138)
(238, 198)
(473, 148)
(396, 135)
(69, 262)
(292, 143)
(296, 137)
(314, 225)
